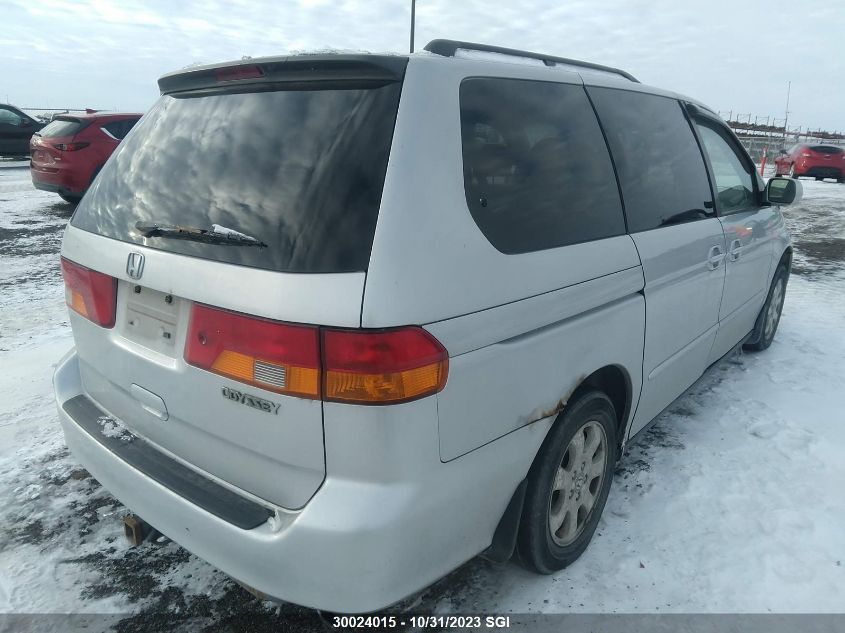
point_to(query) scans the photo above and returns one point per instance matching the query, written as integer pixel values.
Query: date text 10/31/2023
(438, 622)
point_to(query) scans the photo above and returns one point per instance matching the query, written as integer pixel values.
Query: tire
(70, 198)
(769, 318)
(561, 484)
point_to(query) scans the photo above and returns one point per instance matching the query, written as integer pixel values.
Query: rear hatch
(247, 196)
(55, 138)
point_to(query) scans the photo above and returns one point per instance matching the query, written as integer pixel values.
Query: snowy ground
(732, 502)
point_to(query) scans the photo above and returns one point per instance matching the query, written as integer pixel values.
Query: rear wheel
(769, 318)
(568, 484)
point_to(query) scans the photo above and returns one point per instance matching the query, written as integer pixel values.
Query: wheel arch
(615, 382)
(612, 380)
(785, 258)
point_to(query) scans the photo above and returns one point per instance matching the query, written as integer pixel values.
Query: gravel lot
(732, 502)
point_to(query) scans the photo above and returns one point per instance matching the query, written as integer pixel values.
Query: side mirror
(784, 191)
(25, 122)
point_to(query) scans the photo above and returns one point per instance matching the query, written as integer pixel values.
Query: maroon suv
(66, 156)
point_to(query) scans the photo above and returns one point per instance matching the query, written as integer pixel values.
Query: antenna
(413, 19)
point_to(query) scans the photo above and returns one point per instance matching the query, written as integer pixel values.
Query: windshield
(300, 170)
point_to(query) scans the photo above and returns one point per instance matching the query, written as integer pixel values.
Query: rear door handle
(736, 250)
(715, 257)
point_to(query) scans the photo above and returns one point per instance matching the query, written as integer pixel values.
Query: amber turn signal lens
(382, 366)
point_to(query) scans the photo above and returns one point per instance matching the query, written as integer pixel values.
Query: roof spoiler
(290, 72)
(448, 48)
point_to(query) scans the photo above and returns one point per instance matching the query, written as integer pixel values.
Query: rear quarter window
(537, 173)
(119, 129)
(661, 170)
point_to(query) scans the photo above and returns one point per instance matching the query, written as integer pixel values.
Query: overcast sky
(731, 54)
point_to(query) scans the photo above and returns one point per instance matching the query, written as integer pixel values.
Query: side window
(661, 170)
(9, 118)
(734, 181)
(116, 128)
(128, 124)
(537, 173)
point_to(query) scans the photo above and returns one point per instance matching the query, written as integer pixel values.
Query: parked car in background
(69, 152)
(817, 161)
(550, 260)
(16, 128)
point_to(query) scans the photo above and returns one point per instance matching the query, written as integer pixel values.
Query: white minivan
(344, 322)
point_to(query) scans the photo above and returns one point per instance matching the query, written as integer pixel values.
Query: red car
(818, 161)
(67, 154)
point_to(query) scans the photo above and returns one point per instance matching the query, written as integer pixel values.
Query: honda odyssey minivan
(411, 317)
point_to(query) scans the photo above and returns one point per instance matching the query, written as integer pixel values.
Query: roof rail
(447, 48)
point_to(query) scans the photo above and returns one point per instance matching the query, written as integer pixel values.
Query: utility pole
(413, 19)
(786, 112)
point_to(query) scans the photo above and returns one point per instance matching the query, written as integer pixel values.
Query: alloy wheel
(577, 483)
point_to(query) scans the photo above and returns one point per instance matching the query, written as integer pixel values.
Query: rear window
(826, 149)
(301, 171)
(61, 127)
(537, 173)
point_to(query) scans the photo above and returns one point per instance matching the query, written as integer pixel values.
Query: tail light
(271, 355)
(90, 293)
(71, 147)
(355, 366)
(382, 367)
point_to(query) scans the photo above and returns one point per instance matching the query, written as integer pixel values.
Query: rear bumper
(63, 179)
(394, 522)
(820, 171)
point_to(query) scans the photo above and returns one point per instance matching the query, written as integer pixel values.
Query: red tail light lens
(238, 72)
(382, 367)
(90, 293)
(271, 355)
(70, 147)
(356, 366)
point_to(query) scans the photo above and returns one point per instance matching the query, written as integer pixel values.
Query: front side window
(734, 181)
(537, 173)
(9, 118)
(661, 170)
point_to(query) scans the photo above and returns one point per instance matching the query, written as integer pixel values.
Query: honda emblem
(135, 265)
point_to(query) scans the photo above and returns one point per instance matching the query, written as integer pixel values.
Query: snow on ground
(731, 502)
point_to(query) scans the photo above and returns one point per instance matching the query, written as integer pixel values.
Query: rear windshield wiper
(215, 235)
